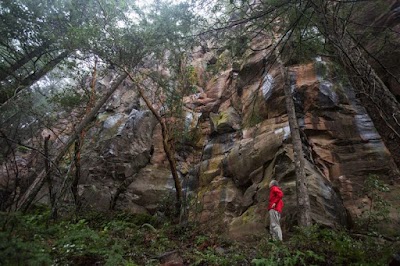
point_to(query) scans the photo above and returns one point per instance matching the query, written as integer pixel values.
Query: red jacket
(275, 196)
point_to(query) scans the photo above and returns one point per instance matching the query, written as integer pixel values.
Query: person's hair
(273, 183)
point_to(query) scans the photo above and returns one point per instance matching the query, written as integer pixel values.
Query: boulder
(225, 121)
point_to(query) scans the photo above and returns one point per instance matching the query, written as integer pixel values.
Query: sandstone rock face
(123, 147)
(123, 155)
(341, 136)
(243, 141)
(341, 145)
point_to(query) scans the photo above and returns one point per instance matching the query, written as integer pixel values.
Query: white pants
(274, 225)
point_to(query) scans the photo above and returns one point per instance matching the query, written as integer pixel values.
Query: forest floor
(125, 239)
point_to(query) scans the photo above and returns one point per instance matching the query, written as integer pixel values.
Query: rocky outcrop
(340, 142)
(236, 139)
(120, 148)
(343, 140)
(243, 141)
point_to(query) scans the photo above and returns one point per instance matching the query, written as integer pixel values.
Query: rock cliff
(243, 141)
(236, 139)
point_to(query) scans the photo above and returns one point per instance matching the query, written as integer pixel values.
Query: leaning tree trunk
(33, 190)
(363, 77)
(80, 140)
(303, 199)
(169, 151)
(168, 148)
(48, 176)
(120, 190)
(9, 71)
(28, 81)
(77, 176)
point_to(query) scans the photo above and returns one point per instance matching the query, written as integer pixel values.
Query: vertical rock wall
(248, 145)
(243, 141)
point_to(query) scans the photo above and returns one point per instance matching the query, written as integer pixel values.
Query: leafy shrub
(280, 254)
(211, 256)
(33, 240)
(321, 246)
(15, 250)
(81, 241)
(126, 239)
(378, 209)
(22, 239)
(67, 99)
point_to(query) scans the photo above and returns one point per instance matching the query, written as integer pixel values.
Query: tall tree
(157, 59)
(81, 138)
(303, 198)
(353, 58)
(147, 43)
(37, 35)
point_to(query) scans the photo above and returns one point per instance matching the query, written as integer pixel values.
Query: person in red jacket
(275, 207)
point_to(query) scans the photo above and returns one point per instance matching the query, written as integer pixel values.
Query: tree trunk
(48, 177)
(10, 92)
(168, 148)
(8, 71)
(77, 176)
(28, 81)
(34, 189)
(169, 151)
(121, 189)
(80, 139)
(364, 79)
(303, 199)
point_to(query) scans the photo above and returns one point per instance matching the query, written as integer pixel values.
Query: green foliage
(127, 239)
(22, 239)
(316, 246)
(280, 254)
(216, 256)
(199, 240)
(304, 47)
(253, 119)
(191, 78)
(80, 241)
(34, 240)
(67, 99)
(378, 208)
(23, 149)
(211, 257)
(15, 250)
(36, 35)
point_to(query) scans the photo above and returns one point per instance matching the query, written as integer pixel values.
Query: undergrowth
(125, 239)
(323, 246)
